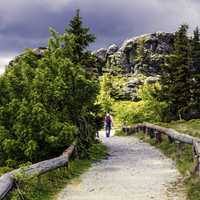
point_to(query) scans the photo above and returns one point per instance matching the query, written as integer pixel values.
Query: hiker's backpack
(108, 120)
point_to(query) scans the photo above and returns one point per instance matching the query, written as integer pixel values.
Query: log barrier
(7, 181)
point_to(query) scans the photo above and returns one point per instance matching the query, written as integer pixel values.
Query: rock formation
(142, 54)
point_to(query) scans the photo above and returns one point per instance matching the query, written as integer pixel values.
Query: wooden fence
(7, 180)
(157, 132)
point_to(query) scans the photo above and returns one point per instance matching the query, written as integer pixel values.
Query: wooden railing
(7, 180)
(155, 131)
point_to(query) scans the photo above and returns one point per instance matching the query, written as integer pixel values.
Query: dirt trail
(133, 171)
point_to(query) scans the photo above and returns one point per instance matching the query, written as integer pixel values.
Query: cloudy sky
(24, 23)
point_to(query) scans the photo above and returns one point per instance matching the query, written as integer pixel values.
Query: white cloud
(4, 61)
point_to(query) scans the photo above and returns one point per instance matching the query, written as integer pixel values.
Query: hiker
(108, 124)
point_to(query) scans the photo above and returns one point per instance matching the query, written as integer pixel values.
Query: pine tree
(175, 77)
(81, 35)
(196, 71)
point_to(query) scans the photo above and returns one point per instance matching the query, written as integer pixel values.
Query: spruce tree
(196, 72)
(82, 37)
(175, 76)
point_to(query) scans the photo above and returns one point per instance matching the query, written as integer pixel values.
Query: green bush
(97, 152)
(47, 101)
(155, 110)
(128, 113)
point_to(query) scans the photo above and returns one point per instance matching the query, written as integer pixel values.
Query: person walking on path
(108, 124)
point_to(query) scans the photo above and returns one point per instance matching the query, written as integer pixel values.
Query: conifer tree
(175, 77)
(81, 35)
(196, 71)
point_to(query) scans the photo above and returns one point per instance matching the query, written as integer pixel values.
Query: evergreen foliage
(196, 71)
(176, 77)
(47, 102)
(82, 38)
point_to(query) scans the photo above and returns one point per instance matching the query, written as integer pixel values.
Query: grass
(48, 185)
(191, 127)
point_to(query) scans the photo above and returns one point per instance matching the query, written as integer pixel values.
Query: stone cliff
(142, 54)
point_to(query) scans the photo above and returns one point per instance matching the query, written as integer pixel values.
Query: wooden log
(7, 180)
(180, 137)
(172, 133)
(6, 184)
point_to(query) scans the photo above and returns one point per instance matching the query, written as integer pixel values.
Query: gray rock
(101, 54)
(39, 51)
(152, 80)
(112, 49)
(133, 83)
(152, 47)
(130, 89)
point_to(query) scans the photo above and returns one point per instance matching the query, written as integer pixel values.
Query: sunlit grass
(191, 127)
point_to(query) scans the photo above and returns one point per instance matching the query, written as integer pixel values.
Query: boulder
(101, 54)
(151, 80)
(112, 49)
(39, 51)
(130, 89)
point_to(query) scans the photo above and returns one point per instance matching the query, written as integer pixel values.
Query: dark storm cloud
(24, 23)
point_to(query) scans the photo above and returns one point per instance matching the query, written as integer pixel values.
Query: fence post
(152, 133)
(179, 148)
(171, 140)
(158, 137)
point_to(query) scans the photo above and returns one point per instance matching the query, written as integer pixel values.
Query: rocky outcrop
(142, 54)
(38, 52)
(130, 89)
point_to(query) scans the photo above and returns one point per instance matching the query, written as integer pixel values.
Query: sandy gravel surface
(133, 171)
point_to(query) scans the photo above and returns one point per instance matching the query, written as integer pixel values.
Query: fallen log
(8, 179)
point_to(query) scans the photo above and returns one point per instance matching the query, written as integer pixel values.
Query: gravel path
(133, 171)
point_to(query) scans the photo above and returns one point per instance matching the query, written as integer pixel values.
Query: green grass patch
(191, 127)
(48, 185)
